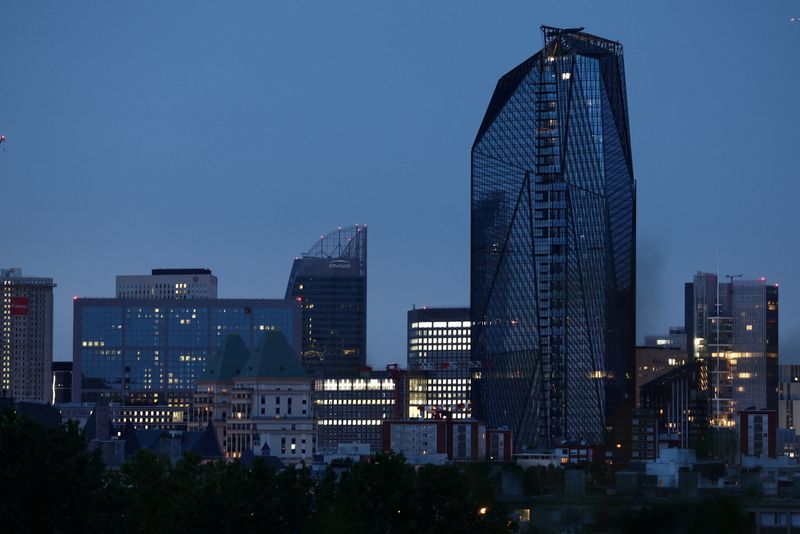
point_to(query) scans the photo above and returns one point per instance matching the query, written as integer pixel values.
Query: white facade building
(168, 284)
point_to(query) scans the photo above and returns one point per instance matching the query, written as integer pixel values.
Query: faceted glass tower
(330, 281)
(553, 245)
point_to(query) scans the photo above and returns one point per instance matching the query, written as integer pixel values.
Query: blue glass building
(145, 351)
(553, 245)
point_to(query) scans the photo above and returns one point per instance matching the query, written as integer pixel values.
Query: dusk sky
(231, 136)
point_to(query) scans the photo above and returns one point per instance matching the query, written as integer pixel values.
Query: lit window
(566, 75)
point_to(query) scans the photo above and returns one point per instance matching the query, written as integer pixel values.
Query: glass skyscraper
(147, 351)
(553, 245)
(330, 282)
(732, 330)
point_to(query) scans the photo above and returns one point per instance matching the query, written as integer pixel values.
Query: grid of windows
(351, 410)
(137, 351)
(553, 232)
(439, 343)
(26, 336)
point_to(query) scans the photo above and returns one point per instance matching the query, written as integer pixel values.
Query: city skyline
(100, 123)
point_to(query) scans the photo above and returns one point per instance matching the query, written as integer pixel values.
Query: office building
(168, 284)
(351, 409)
(675, 339)
(144, 352)
(61, 387)
(330, 282)
(553, 245)
(439, 343)
(26, 336)
(161, 417)
(652, 362)
(733, 328)
(679, 412)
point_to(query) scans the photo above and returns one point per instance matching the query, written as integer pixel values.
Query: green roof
(229, 359)
(273, 358)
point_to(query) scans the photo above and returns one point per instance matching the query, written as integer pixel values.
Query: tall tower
(732, 330)
(26, 336)
(330, 281)
(553, 245)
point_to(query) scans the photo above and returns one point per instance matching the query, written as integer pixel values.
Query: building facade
(168, 284)
(151, 352)
(553, 245)
(789, 398)
(733, 328)
(463, 440)
(257, 401)
(352, 409)
(675, 339)
(61, 387)
(439, 343)
(652, 362)
(330, 282)
(26, 336)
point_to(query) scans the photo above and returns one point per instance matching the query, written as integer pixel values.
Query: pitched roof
(202, 442)
(90, 428)
(229, 359)
(273, 358)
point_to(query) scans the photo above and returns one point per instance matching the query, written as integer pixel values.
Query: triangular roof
(90, 428)
(273, 358)
(148, 438)
(202, 442)
(228, 361)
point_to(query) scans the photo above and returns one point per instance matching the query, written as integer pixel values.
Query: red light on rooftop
(74, 298)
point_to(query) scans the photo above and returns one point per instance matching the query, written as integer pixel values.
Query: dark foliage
(49, 483)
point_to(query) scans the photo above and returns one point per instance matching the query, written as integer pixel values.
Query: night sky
(231, 136)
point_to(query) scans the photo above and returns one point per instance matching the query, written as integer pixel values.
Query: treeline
(49, 483)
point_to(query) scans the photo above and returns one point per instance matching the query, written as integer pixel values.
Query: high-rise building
(26, 336)
(330, 281)
(732, 328)
(553, 245)
(439, 343)
(168, 284)
(151, 352)
(61, 387)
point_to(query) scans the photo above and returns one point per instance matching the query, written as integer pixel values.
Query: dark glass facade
(62, 382)
(553, 245)
(145, 351)
(330, 282)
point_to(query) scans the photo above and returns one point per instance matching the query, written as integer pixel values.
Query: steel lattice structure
(553, 244)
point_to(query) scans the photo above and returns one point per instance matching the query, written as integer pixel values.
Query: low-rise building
(457, 440)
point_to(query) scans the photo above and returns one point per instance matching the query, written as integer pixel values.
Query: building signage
(339, 264)
(19, 306)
